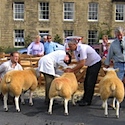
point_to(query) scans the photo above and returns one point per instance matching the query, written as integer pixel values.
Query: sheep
(64, 86)
(111, 86)
(16, 82)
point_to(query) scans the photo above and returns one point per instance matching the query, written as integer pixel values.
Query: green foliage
(27, 40)
(8, 49)
(99, 27)
(1, 49)
(58, 39)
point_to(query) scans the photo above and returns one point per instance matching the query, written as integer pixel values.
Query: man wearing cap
(86, 55)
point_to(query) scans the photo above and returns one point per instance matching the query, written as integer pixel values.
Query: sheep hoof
(31, 104)
(66, 114)
(117, 116)
(6, 110)
(18, 110)
(50, 113)
(106, 116)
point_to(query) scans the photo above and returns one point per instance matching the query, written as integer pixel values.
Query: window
(43, 33)
(44, 11)
(18, 12)
(119, 12)
(68, 33)
(68, 10)
(92, 37)
(93, 12)
(19, 38)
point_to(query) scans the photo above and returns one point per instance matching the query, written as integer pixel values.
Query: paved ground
(37, 115)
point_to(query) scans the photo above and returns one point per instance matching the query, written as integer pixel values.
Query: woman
(36, 47)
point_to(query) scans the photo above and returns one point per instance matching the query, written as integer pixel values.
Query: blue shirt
(49, 47)
(115, 53)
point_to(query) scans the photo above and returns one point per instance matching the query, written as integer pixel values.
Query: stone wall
(55, 25)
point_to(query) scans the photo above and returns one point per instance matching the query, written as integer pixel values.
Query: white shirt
(48, 63)
(86, 52)
(7, 66)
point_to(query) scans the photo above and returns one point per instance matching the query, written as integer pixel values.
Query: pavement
(37, 114)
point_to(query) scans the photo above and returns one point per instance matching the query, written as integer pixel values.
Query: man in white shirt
(11, 64)
(86, 55)
(48, 65)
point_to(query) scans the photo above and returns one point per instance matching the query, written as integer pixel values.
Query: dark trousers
(48, 80)
(90, 81)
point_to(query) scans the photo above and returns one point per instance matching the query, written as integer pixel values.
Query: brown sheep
(64, 86)
(16, 82)
(111, 86)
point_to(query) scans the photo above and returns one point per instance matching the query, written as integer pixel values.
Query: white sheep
(16, 82)
(111, 86)
(64, 86)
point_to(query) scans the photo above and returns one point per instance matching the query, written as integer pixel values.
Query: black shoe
(83, 103)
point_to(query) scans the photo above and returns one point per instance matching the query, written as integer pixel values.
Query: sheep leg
(117, 109)
(50, 106)
(30, 98)
(106, 108)
(114, 103)
(5, 102)
(17, 103)
(66, 106)
(73, 99)
(22, 98)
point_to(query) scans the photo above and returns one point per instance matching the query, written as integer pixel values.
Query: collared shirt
(115, 52)
(7, 66)
(49, 47)
(35, 49)
(86, 52)
(48, 63)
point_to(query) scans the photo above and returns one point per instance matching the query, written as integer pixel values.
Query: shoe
(84, 103)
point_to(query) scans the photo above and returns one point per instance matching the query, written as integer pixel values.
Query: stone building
(88, 18)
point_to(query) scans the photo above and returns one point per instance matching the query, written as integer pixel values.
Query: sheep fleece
(18, 81)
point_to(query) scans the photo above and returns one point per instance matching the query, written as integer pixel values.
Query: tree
(27, 40)
(58, 39)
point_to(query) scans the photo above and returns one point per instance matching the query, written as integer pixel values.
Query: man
(48, 65)
(9, 65)
(49, 45)
(86, 55)
(116, 53)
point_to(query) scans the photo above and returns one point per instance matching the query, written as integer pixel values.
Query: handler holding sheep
(86, 55)
(11, 64)
(48, 65)
(116, 53)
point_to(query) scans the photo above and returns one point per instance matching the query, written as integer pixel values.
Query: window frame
(14, 10)
(97, 12)
(40, 11)
(68, 32)
(123, 13)
(73, 10)
(19, 39)
(93, 40)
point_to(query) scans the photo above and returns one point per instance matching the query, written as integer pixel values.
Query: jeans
(121, 67)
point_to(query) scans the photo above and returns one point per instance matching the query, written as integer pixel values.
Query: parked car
(59, 47)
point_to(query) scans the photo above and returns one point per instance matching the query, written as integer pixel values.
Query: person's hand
(68, 70)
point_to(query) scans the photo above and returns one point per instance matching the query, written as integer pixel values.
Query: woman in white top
(86, 55)
(48, 65)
